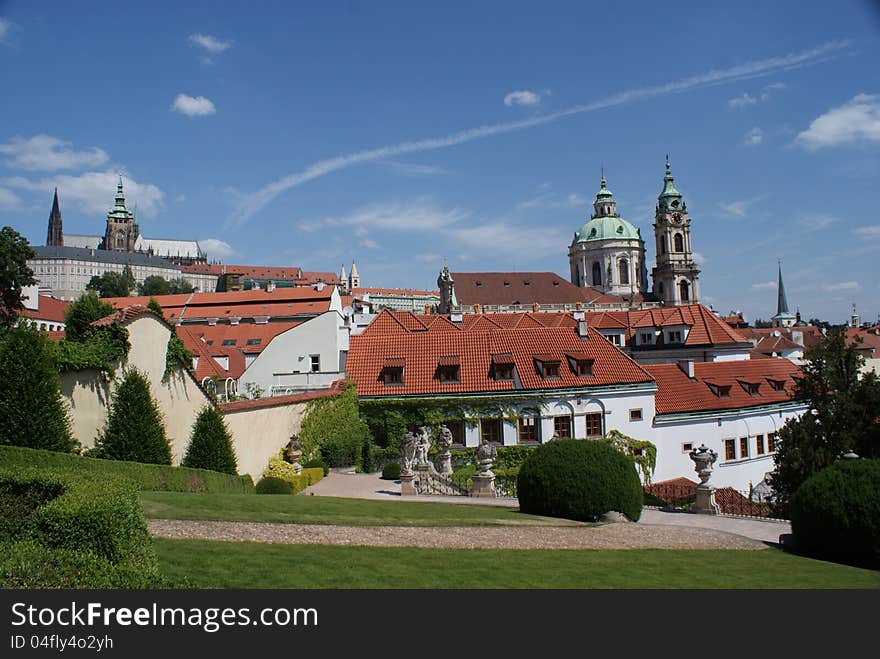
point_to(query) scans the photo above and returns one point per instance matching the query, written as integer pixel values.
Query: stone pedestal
(408, 485)
(705, 503)
(483, 486)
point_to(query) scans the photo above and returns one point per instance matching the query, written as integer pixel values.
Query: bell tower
(120, 235)
(676, 276)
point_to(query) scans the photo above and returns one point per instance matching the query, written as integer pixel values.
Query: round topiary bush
(835, 514)
(579, 479)
(270, 485)
(391, 471)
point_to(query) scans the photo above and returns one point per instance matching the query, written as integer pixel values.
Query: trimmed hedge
(391, 471)
(149, 477)
(835, 514)
(580, 480)
(272, 485)
(317, 462)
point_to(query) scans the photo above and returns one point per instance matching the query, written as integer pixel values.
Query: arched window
(623, 271)
(684, 291)
(679, 243)
(597, 274)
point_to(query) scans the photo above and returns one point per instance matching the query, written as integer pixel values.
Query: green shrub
(367, 463)
(210, 446)
(134, 430)
(82, 313)
(835, 514)
(391, 471)
(272, 485)
(332, 429)
(99, 516)
(312, 475)
(32, 411)
(148, 477)
(317, 462)
(580, 480)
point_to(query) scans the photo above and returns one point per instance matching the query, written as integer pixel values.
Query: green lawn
(331, 510)
(208, 564)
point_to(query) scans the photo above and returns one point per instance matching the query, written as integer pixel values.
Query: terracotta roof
(422, 351)
(276, 401)
(811, 334)
(865, 340)
(51, 309)
(676, 393)
(772, 346)
(126, 315)
(505, 288)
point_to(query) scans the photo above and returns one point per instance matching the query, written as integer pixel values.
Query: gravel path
(607, 536)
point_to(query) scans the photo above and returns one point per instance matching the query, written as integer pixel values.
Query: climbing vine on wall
(333, 429)
(100, 348)
(643, 452)
(176, 357)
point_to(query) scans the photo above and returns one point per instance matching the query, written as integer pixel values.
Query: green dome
(606, 228)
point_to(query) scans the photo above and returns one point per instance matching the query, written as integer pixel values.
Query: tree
(81, 313)
(134, 430)
(153, 285)
(842, 414)
(14, 273)
(210, 445)
(179, 285)
(760, 323)
(113, 284)
(32, 411)
(155, 307)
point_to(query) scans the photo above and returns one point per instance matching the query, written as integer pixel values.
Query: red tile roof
(506, 288)
(126, 315)
(422, 351)
(676, 393)
(51, 309)
(867, 341)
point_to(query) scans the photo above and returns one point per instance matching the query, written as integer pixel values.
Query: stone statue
(486, 453)
(703, 459)
(408, 448)
(444, 456)
(293, 453)
(423, 439)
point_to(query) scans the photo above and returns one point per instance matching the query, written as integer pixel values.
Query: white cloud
(764, 286)
(816, 222)
(92, 192)
(413, 169)
(522, 97)
(47, 153)
(857, 120)
(210, 43)
(9, 201)
(842, 286)
(193, 106)
(216, 247)
(699, 258)
(872, 231)
(754, 136)
(740, 207)
(5, 30)
(742, 101)
(551, 200)
(393, 216)
(429, 257)
(253, 203)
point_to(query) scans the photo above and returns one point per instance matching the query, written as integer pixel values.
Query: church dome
(606, 228)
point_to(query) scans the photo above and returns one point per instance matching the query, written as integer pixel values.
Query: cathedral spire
(781, 300)
(55, 235)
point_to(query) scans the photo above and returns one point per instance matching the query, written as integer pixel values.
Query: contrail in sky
(255, 202)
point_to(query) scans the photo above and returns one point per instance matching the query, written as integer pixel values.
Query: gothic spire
(781, 300)
(55, 235)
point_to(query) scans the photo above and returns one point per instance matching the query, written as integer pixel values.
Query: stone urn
(703, 459)
(293, 453)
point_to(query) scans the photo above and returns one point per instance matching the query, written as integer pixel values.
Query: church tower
(343, 279)
(55, 235)
(120, 235)
(676, 276)
(783, 317)
(354, 277)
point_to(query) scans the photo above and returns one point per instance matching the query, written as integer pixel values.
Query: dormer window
(720, 390)
(449, 369)
(392, 371)
(229, 342)
(673, 336)
(547, 367)
(254, 342)
(751, 388)
(581, 365)
(776, 385)
(646, 338)
(503, 367)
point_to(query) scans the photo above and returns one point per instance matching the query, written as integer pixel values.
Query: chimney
(270, 287)
(477, 308)
(687, 367)
(583, 330)
(319, 286)
(427, 309)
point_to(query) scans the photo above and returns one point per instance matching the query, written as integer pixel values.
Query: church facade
(608, 253)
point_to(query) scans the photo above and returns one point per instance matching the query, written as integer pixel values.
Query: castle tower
(120, 233)
(608, 253)
(676, 276)
(343, 279)
(55, 235)
(354, 279)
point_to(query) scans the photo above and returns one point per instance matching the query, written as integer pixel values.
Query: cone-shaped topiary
(210, 445)
(579, 479)
(32, 411)
(835, 514)
(134, 429)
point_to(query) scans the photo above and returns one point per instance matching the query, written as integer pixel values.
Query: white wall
(674, 462)
(279, 363)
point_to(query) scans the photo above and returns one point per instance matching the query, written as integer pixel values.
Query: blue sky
(400, 135)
